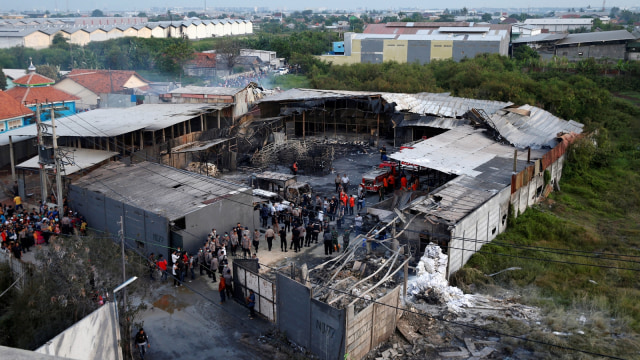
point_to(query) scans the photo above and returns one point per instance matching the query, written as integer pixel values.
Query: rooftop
(39, 94)
(599, 36)
(33, 79)
(182, 191)
(466, 151)
(11, 108)
(82, 159)
(103, 81)
(117, 121)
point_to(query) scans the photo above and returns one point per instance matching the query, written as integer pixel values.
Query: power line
(451, 321)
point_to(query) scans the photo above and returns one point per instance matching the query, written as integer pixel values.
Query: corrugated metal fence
(19, 269)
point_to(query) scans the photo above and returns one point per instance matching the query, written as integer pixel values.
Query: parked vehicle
(373, 180)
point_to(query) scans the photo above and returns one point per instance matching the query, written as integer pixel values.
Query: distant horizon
(60, 6)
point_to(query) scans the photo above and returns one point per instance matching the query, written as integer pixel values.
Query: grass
(289, 81)
(597, 211)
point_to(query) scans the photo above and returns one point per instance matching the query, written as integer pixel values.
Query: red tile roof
(33, 79)
(10, 108)
(203, 60)
(103, 81)
(42, 94)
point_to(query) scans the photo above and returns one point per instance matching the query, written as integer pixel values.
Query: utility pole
(41, 153)
(57, 159)
(124, 274)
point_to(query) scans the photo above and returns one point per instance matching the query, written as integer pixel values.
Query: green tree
(97, 13)
(52, 72)
(60, 42)
(142, 14)
(524, 53)
(192, 14)
(486, 17)
(173, 57)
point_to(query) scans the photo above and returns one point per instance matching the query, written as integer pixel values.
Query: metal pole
(124, 274)
(13, 161)
(43, 171)
(56, 158)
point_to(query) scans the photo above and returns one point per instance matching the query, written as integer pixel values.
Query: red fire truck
(373, 180)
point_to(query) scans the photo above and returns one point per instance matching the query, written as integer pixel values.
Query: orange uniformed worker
(403, 182)
(294, 167)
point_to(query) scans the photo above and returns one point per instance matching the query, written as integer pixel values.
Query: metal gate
(245, 277)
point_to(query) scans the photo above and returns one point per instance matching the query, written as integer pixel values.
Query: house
(34, 89)
(12, 74)
(191, 204)
(93, 87)
(202, 65)
(12, 113)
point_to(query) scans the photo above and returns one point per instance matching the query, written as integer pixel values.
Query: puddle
(169, 303)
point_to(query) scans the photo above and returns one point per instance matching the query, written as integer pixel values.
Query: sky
(137, 5)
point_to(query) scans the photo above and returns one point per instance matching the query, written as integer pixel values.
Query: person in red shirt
(162, 265)
(403, 182)
(392, 182)
(352, 204)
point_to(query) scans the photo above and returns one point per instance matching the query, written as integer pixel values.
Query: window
(14, 124)
(2, 126)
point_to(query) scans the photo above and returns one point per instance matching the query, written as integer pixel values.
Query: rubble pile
(430, 286)
(203, 168)
(368, 277)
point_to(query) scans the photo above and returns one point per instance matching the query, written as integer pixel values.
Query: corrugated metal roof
(439, 105)
(436, 122)
(422, 103)
(228, 91)
(538, 38)
(182, 191)
(537, 130)
(118, 121)
(600, 36)
(463, 151)
(82, 159)
(457, 198)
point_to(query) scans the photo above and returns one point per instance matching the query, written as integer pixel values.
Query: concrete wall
(419, 51)
(95, 337)
(614, 51)
(11, 41)
(479, 227)
(372, 325)
(88, 99)
(462, 49)
(116, 101)
(37, 40)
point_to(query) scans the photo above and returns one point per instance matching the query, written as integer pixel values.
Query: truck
(373, 180)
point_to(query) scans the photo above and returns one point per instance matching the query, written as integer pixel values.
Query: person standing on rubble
(294, 168)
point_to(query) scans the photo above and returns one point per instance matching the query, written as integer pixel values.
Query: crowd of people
(23, 229)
